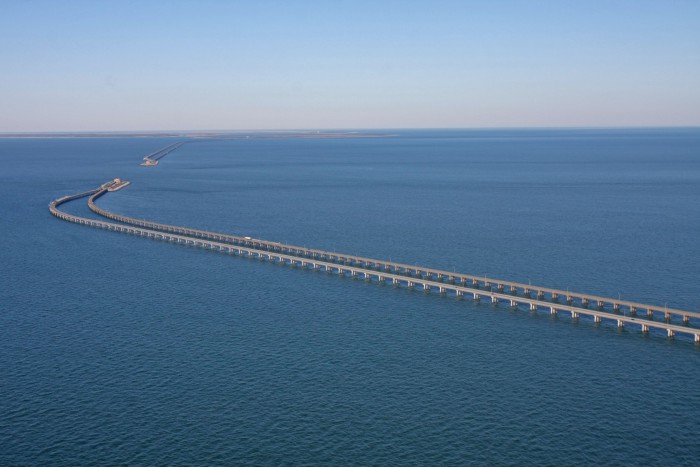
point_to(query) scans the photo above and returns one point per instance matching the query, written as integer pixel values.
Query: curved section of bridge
(443, 282)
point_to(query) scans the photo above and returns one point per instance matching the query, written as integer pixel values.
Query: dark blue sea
(119, 350)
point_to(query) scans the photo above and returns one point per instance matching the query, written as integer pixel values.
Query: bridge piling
(428, 278)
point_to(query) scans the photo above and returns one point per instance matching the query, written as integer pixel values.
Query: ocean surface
(119, 350)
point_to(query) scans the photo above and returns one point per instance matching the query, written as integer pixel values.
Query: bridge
(153, 158)
(668, 320)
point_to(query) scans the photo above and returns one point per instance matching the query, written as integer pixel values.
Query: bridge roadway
(368, 274)
(154, 157)
(579, 300)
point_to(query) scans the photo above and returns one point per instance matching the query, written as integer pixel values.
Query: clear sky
(259, 64)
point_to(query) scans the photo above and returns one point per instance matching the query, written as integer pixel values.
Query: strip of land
(201, 134)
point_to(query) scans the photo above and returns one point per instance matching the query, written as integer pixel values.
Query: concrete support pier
(675, 321)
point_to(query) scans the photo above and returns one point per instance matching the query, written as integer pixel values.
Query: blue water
(115, 349)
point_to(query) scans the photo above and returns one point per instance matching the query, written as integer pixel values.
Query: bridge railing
(451, 275)
(428, 284)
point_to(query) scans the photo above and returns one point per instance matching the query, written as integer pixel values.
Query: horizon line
(173, 132)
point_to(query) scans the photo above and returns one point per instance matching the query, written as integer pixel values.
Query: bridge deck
(330, 265)
(154, 157)
(479, 281)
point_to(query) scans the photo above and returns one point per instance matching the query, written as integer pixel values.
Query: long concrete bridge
(443, 282)
(465, 280)
(154, 157)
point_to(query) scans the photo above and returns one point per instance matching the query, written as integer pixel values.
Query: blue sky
(159, 65)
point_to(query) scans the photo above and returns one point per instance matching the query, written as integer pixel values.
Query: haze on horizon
(167, 65)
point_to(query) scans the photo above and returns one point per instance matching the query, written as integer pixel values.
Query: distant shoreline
(339, 133)
(207, 135)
